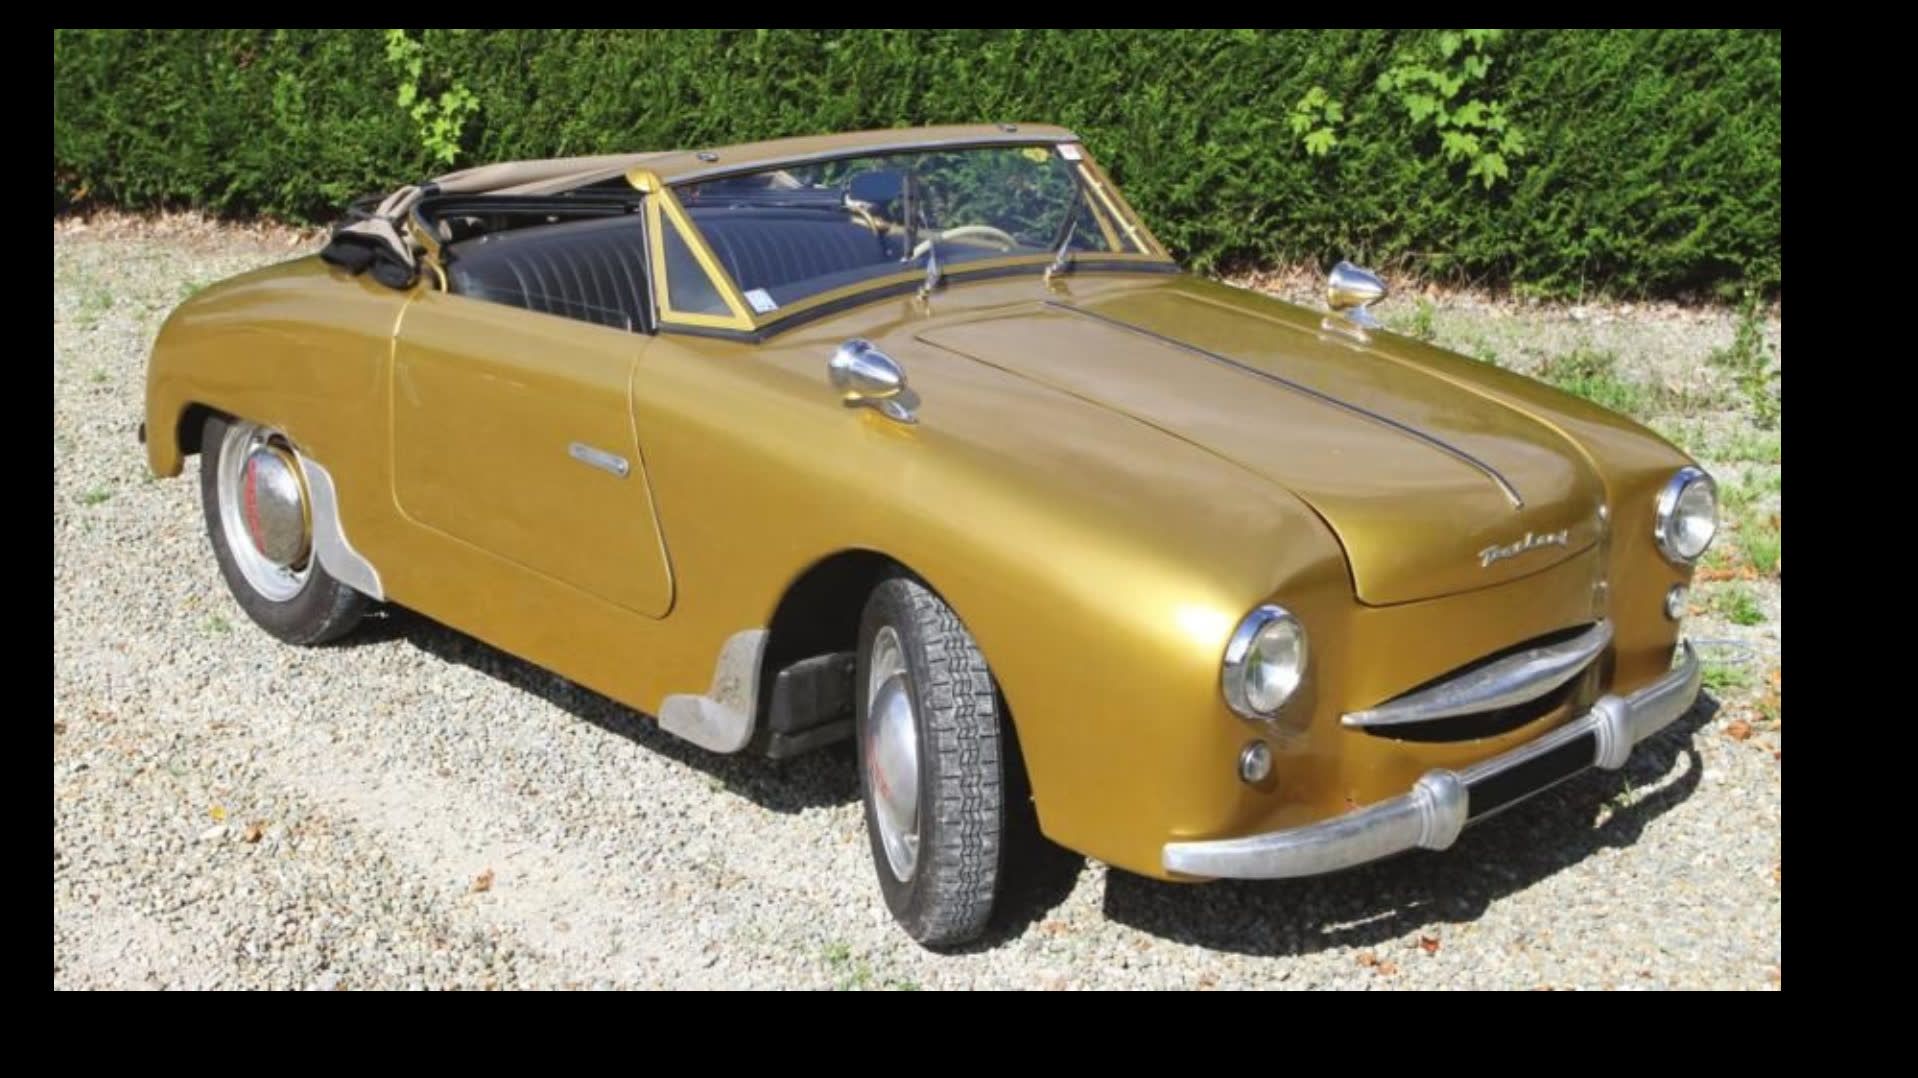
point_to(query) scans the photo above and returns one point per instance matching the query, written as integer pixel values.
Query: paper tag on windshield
(762, 303)
(1070, 151)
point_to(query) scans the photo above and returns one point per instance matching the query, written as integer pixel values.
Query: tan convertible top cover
(504, 178)
(380, 234)
(541, 177)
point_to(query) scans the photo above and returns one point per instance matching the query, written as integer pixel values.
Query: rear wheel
(932, 755)
(259, 517)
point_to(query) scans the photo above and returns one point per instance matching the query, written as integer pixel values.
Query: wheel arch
(820, 609)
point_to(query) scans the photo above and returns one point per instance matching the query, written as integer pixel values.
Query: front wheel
(932, 764)
(258, 514)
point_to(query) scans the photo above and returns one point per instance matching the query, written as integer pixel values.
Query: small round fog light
(1675, 602)
(1255, 762)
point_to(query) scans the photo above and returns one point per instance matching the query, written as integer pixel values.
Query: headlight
(1264, 662)
(1687, 515)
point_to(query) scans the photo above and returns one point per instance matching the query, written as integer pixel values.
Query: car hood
(1431, 486)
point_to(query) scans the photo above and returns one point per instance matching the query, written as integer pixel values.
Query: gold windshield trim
(1108, 206)
(664, 211)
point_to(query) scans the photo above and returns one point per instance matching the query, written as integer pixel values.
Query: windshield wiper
(1062, 258)
(1062, 255)
(933, 274)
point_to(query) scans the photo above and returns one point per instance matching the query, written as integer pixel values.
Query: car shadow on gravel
(1042, 874)
(1374, 904)
(817, 779)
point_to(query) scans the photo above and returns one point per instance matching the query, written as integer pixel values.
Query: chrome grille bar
(1514, 679)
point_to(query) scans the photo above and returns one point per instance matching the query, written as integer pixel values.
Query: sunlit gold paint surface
(1099, 509)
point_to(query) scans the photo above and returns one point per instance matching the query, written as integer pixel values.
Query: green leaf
(1459, 145)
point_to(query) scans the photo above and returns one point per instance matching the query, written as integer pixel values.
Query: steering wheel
(967, 232)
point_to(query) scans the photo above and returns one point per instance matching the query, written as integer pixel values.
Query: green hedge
(1652, 164)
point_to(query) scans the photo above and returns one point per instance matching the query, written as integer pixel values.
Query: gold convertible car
(921, 438)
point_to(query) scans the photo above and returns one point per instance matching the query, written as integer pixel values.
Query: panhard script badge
(1532, 541)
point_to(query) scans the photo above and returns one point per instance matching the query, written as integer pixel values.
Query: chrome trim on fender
(1668, 503)
(1239, 648)
(1498, 479)
(1439, 806)
(1515, 679)
(330, 544)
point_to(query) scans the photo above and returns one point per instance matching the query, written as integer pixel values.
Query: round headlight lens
(1687, 515)
(1265, 662)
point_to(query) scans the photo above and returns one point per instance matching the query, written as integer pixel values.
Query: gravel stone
(387, 774)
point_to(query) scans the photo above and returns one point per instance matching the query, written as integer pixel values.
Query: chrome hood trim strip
(1498, 479)
(1515, 679)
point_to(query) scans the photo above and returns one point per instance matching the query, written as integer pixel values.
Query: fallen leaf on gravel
(1208, 980)
(1778, 873)
(1738, 730)
(253, 832)
(1367, 958)
(483, 882)
(1429, 944)
(1053, 928)
(1388, 968)
(218, 813)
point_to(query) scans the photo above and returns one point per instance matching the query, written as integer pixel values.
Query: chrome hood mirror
(871, 378)
(1349, 291)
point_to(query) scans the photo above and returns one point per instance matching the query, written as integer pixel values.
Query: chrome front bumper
(1442, 802)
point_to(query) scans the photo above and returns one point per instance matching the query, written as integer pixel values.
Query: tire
(301, 604)
(913, 652)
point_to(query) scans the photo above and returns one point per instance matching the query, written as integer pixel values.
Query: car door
(512, 430)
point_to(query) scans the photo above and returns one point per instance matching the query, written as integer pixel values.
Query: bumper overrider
(1440, 804)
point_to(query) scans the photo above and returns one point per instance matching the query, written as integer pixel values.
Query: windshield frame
(1115, 215)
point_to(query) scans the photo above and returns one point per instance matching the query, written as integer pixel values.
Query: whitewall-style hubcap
(264, 511)
(892, 753)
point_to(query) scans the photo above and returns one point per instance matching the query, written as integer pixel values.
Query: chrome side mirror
(1349, 290)
(871, 378)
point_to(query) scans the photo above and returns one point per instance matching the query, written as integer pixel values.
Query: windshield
(791, 233)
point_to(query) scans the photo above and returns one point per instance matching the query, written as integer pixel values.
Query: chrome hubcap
(892, 754)
(263, 511)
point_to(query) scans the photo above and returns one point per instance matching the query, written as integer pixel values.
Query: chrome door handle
(599, 458)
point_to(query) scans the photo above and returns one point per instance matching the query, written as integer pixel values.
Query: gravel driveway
(414, 809)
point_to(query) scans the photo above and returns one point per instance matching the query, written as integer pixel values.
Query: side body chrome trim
(722, 718)
(1515, 679)
(330, 544)
(611, 463)
(1498, 479)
